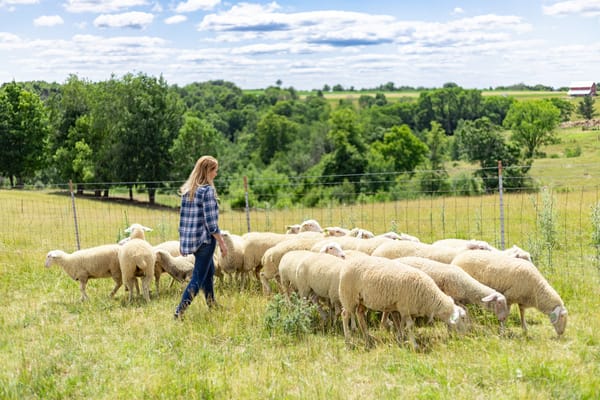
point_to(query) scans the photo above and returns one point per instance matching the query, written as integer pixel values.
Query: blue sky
(304, 43)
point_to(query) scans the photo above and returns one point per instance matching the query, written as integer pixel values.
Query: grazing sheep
(137, 257)
(170, 246)
(380, 284)
(336, 231)
(366, 246)
(519, 280)
(404, 248)
(94, 262)
(256, 245)
(473, 244)
(233, 263)
(179, 267)
(361, 233)
(272, 256)
(459, 285)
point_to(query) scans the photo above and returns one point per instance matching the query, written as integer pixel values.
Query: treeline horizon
(138, 128)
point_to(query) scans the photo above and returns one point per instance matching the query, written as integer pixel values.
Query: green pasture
(52, 346)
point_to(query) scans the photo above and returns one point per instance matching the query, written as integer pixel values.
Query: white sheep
(179, 267)
(366, 246)
(404, 248)
(272, 257)
(519, 280)
(136, 231)
(137, 258)
(361, 233)
(170, 246)
(461, 286)
(292, 229)
(381, 284)
(474, 244)
(256, 245)
(400, 236)
(336, 231)
(94, 262)
(233, 263)
(310, 225)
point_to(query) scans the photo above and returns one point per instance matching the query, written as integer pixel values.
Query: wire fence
(559, 226)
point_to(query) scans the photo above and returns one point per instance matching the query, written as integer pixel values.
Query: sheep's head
(310, 225)
(518, 252)
(361, 233)
(136, 231)
(336, 231)
(497, 303)
(292, 229)
(52, 256)
(334, 249)
(558, 318)
(458, 320)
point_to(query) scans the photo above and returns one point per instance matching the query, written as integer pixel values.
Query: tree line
(140, 131)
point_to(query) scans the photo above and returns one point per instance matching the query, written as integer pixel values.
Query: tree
(401, 146)
(23, 133)
(274, 133)
(482, 141)
(532, 124)
(586, 107)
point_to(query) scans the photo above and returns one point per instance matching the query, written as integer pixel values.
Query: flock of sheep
(345, 273)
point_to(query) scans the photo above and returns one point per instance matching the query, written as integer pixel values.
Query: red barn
(582, 89)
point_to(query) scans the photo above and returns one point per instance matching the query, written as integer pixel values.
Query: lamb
(136, 253)
(380, 284)
(459, 285)
(94, 262)
(233, 263)
(179, 267)
(403, 248)
(272, 257)
(519, 280)
(473, 244)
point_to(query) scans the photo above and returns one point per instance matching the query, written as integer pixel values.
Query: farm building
(586, 88)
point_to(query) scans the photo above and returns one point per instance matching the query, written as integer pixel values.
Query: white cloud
(4, 3)
(175, 19)
(101, 6)
(587, 8)
(458, 10)
(134, 19)
(195, 5)
(48, 20)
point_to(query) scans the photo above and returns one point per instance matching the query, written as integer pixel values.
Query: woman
(199, 230)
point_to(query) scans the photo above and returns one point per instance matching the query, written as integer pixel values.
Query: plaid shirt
(198, 219)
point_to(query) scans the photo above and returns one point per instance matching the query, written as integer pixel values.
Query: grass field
(53, 346)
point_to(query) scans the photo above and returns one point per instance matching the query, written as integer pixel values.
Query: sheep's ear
(556, 314)
(490, 297)
(146, 228)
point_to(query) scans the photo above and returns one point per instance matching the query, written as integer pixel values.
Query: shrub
(295, 317)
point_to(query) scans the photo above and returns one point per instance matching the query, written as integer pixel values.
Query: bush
(295, 317)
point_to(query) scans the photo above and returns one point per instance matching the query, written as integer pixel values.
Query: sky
(304, 44)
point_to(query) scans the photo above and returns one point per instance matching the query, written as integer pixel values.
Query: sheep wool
(94, 262)
(137, 253)
(381, 284)
(179, 267)
(404, 248)
(519, 280)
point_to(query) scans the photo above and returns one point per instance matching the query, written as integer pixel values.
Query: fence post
(500, 191)
(247, 205)
(74, 214)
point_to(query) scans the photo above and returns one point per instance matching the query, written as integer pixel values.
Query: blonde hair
(199, 176)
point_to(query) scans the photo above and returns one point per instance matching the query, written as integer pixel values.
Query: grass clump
(294, 317)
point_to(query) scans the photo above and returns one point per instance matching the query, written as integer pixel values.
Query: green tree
(401, 146)
(483, 142)
(23, 133)
(585, 108)
(435, 179)
(196, 137)
(532, 124)
(447, 106)
(274, 133)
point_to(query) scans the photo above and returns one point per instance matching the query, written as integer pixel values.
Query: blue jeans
(202, 277)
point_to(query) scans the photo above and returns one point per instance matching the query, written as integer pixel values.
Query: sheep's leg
(82, 284)
(130, 284)
(118, 283)
(361, 312)
(265, 283)
(157, 281)
(409, 328)
(346, 325)
(146, 280)
(523, 323)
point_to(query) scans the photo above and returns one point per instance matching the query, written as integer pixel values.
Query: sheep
(459, 285)
(179, 267)
(292, 229)
(94, 262)
(361, 233)
(233, 263)
(366, 246)
(272, 256)
(381, 284)
(473, 244)
(400, 236)
(519, 280)
(403, 248)
(136, 253)
(170, 246)
(256, 245)
(310, 225)
(136, 231)
(336, 231)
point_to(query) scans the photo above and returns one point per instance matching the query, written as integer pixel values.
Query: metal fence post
(500, 191)
(74, 214)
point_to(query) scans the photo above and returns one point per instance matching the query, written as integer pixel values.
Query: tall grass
(53, 346)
